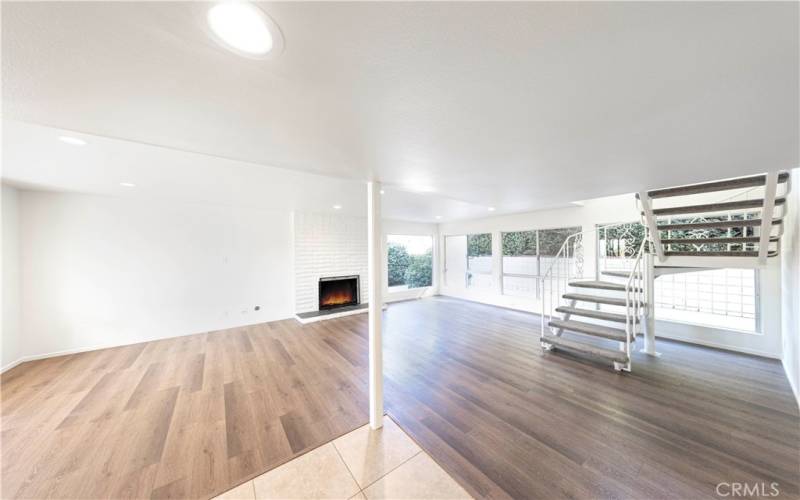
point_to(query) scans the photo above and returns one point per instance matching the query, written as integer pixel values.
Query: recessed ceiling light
(337, 207)
(491, 209)
(382, 191)
(244, 29)
(127, 184)
(74, 141)
(438, 216)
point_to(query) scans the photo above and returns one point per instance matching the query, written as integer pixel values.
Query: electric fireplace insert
(339, 291)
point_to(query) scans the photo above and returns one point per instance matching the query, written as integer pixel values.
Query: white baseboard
(25, 359)
(715, 345)
(77, 350)
(11, 365)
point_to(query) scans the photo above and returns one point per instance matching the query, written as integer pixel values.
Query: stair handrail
(633, 305)
(595, 229)
(554, 267)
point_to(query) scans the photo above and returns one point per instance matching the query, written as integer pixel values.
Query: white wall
(605, 211)
(10, 348)
(790, 282)
(327, 244)
(101, 271)
(600, 211)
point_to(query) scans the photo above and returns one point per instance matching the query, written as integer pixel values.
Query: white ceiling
(33, 157)
(515, 105)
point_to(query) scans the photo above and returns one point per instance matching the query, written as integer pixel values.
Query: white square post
(375, 287)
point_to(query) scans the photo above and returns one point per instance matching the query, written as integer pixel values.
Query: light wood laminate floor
(187, 417)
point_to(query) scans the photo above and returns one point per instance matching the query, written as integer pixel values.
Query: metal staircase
(688, 232)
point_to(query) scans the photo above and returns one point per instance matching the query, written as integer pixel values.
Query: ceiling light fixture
(74, 141)
(491, 209)
(127, 184)
(337, 207)
(244, 29)
(382, 191)
(438, 216)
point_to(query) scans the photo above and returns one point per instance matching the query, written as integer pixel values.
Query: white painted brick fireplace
(327, 245)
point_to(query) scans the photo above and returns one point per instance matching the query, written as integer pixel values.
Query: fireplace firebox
(339, 291)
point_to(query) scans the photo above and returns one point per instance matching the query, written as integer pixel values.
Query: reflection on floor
(362, 464)
(471, 385)
(185, 417)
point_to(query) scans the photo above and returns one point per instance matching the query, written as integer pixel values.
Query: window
(723, 298)
(526, 256)
(521, 263)
(410, 262)
(479, 260)
(619, 244)
(712, 232)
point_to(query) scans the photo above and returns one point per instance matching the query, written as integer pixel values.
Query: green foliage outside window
(414, 271)
(479, 245)
(420, 270)
(399, 261)
(519, 243)
(551, 240)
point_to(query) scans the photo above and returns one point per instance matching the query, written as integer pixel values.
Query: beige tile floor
(363, 464)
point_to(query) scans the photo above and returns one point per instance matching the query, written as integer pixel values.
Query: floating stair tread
(711, 187)
(714, 207)
(734, 253)
(612, 301)
(591, 313)
(714, 225)
(620, 274)
(600, 285)
(701, 241)
(605, 332)
(592, 350)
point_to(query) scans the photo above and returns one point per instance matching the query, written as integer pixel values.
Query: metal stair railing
(634, 303)
(568, 265)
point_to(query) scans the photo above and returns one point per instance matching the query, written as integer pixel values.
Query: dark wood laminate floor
(471, 385)
(186, 417)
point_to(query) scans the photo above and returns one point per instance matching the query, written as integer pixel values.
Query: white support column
(497, 262)
(649, 322)
(375, 284)
(770, 188)
(650, 219)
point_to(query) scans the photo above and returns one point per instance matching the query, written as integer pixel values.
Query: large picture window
(723, 298)
(410, 262)
(479, 260)
(527, 254)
